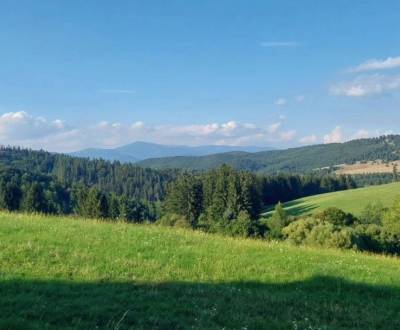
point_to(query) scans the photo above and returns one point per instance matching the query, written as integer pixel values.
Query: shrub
(174, 220)
(336, 216)
(314, 231)
(372, 214)
(372, 236)
(277, 222)
(328, 235)
(242, 226)
(298, 231)
(391, 221)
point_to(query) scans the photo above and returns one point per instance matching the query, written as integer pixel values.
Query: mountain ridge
(140, 150)
(295, 160)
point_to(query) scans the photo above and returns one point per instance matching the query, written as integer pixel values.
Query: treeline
(30, 192)
(285, 187)
(112, 177)
(363, 180)
(230, 201)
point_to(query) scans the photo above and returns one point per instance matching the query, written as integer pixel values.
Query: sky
(77, 74)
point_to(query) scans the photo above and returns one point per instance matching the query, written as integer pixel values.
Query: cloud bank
(23, 129)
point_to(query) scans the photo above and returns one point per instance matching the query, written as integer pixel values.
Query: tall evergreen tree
(10, 196)
(35, 199)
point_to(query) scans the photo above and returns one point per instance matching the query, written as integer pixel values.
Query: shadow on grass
(317, 303)
(294, 208)
(297, 208)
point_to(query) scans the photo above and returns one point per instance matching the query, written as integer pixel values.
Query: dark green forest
(228, 201)
(39, 181)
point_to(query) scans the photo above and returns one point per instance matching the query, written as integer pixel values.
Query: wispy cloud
(117, 91)
(281, 102)
(273, 128)
(309, 139)
(276, 44)
(363, 86)
(288, 135)
(335, 136)
(360, 134)
(376, 64)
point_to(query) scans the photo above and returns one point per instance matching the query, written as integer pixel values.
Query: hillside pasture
(64, 273)
(353, 200)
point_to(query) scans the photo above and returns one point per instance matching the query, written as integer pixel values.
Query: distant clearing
(368, 167)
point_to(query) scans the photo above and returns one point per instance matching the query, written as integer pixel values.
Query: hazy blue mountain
(143, 150)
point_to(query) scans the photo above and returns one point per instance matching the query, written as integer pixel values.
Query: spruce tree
(35, 199)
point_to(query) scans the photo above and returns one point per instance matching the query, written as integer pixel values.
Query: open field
(67, 273)
(367, 167)
(353, 201)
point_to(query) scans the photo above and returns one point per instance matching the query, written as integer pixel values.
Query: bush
(317, 232)
(372, 214)
(242, 226)
(336, 217)
(328, 235)
(277, 222)
(298, 231)
(372, 236)
(174, 220)
(391, 221)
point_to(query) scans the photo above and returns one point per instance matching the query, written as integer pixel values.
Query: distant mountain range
(294, 160)
(138, 151)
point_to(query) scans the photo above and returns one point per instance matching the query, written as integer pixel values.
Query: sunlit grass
(353, 201)
(73, 273)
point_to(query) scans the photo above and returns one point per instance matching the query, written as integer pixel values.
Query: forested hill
(294, 160)
(113, 177)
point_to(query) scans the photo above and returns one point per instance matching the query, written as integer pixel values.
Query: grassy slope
(353, 201)
(65, 273)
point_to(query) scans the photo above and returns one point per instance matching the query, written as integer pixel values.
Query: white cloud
(367, 85)
(277, 44)
(281, 102)
(20, 128)
(375, 64)
(360, 134)
(138, 125)
(336, 136)
(309, 139)
(300, 98)
(288, 135)
(273, 128)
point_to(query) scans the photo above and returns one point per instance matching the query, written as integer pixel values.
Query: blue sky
(77, 74)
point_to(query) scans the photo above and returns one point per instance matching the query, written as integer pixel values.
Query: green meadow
(353, 200)
(66, 273)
